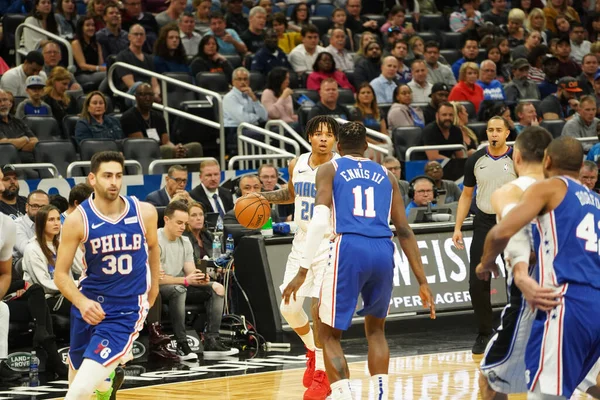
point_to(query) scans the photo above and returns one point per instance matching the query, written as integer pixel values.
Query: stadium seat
(322, 23)
(303, 116)
(88, 147)
(428, 36)
(451, 55)
(9, 154)
(69, 122)
(109, 104)
(10, 22)
(432, 23)
(215, 81)
(176, 94)
(143, 150)
(404, 138)
(18, 100)
(44, 128)
(234, 59)
(346, 97)
(536, 103)
(376, 17)
(421, 106)
(555, 127)
(257, 81)
(325, 40)
(470, 110)
(482, 55)
(479, 129)
(384, 108)
(324, 10)
(186, 131)
(451, 40)
(311, 94)
(58, 152)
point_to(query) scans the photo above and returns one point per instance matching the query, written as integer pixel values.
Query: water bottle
(34, 373)
(229, 245)
(216, 247)
(219, 224)
(267, 229)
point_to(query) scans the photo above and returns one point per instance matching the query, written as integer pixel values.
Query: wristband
(97, 68)
(185, 282)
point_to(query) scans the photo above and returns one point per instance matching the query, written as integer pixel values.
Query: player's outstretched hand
(544, 299)
(91, 312)
(293, 286)
(484, 274)
(427, 299)
(457, 238)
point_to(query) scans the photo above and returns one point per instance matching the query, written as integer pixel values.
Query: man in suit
(208, 192)
(175, 182)
(248, 184)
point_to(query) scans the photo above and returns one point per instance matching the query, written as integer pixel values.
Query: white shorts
(314, 277)
(590, 378)
(504, 361)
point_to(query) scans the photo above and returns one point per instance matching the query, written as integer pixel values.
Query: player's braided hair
(314, 124)
(353, 136)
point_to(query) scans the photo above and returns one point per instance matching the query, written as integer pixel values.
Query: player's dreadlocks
(353, 136)
(314, 125)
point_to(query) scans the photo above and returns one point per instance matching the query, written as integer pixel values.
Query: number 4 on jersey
(359, 211)
(586, 230)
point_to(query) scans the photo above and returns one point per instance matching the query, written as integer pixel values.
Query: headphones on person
(411, 186)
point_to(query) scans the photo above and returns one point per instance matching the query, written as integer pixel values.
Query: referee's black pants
(478, 289)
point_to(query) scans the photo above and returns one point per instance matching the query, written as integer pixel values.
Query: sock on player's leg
(309, 340)
(319, 361)
(381, 386)
(90, 376)
(340, 390)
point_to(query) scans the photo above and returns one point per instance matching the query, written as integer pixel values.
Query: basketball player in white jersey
(322, 134)
(503, 365)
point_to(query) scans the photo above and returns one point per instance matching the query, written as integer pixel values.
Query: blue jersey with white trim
(362, 198)
(569, 248)
(116, 252)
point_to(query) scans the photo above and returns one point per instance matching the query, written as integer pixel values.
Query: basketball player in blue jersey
(119, 284)
(363, 195)
(563, 344)
(322, 134)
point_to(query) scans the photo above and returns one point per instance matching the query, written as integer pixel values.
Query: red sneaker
(319, 389)
(310, 368)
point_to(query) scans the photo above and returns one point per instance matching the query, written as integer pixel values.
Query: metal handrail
(268, 135)
(235, 159)
(166, 109)
(259, 144)
(76, 164)
(422, 149)
(388, 150)
(283, 126)
(180, 161)
(65, 42)
(50, 166)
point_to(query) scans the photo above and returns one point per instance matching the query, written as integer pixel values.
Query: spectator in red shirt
(466, 89)
(324, 68)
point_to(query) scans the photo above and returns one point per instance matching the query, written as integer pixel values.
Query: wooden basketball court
(450, 375)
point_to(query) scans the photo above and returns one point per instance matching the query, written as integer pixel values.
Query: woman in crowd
(367, 111)
(594, 28)
(502, 70)
(42, 16)
(461, 119)
(197, 232)
(87, 53)
(533, 38)
(525, 5)
(286, 40)
(466, 89)
(40, 256)
(95, 8)
(562, 25)
(299, 18)
(169, 54)
(514, 28)
(209, 59)
(56, 96)
(201, 15)
(554, 8)
(536, 21)
(323, 68)
(94, 124)
(402, 114)
(416, 47)
(66, 18)
(277, 97)
(365, 39)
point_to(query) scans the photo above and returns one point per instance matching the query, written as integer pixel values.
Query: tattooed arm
(285, 195)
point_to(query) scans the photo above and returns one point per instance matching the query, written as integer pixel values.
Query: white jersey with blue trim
(569, 248)
(304, 181)
(116, 252)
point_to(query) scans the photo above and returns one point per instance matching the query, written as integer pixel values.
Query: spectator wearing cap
(270, 55)
(436, 71)
(492, 88)
(34, 105)
(579, 46)
(439, 95)
(550, 66)
(584, 123)
(467, 89)
(562, 104)
(11, 203)
(589, 67)
(467, 18)
(304, 55)
(15, 131)
(470, 50)
(385, 84)
(14, 80)
(420, 87)
(566, 65)
(337, 48)
(393, 34)
(520, 88)
(400, 51)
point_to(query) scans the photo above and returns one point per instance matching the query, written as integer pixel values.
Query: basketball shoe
(319, 388)
(310, 368)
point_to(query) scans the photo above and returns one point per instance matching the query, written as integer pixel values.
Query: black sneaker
(7, 374)
(480, 344)
(214, 348)
(185, 353)
(117, 382)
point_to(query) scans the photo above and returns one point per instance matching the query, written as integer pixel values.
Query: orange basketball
(252, 211)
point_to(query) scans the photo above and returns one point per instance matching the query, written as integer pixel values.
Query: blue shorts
(358, 265)
(112, 339)
(564, 343)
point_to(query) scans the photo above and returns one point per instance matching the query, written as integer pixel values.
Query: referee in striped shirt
(489, 169)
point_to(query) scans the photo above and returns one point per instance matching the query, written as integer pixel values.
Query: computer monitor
(418, 215)
(210, 220)
(237, 231)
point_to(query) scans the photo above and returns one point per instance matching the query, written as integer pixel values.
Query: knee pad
(294, 313)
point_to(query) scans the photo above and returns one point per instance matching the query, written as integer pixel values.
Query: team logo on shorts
(103, 349)
(493, 378)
